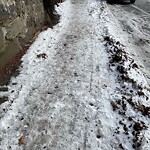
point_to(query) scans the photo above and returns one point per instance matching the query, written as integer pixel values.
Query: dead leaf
(21, 140)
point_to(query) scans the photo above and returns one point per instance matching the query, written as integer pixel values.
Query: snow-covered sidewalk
(74, 88)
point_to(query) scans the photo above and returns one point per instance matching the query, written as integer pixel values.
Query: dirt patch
(133, 94)
(3, 99)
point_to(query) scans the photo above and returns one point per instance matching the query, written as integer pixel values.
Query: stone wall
(19, 20)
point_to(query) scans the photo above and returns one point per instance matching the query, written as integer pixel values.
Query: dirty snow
(78, 88)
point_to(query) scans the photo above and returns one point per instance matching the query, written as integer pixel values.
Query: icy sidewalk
(62, 99)
(60, 96)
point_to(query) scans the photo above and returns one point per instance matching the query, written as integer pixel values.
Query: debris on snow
(43, 55)
(77, 98)
(21, 140)
(134, 103)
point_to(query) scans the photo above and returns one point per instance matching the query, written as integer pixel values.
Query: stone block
(16, 27)
(11, 50)
(2, 40)
(7, 12)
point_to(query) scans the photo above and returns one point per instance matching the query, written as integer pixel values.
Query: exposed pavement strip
(141, 10)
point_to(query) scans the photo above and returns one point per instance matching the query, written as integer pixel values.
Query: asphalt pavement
(134, 20)
(144, 5)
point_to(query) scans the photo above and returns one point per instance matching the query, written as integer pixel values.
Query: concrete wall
(19, 20)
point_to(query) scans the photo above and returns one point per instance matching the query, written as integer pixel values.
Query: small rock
(43, 55)
(121, 146)
(65, 44)
(135, 65)
(138, 126)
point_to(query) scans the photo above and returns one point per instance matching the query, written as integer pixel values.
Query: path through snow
(62, 99)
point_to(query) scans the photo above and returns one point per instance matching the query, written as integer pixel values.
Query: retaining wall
(19, 20)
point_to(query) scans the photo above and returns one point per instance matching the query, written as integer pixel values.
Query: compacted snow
(78, 88)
